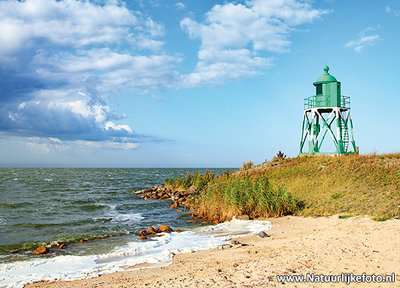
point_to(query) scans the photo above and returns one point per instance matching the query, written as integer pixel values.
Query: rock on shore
(155, 231)
(162, 192)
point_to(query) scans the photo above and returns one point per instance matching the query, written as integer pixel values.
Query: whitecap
(121, 217)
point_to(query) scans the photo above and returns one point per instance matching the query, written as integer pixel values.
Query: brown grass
(354, 184)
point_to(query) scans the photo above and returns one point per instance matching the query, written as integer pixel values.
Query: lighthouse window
(319, 89)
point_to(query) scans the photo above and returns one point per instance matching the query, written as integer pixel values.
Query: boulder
(262, 234)
(40, 250)
(165, 228)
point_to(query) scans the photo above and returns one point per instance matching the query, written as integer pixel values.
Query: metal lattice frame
(335, 121)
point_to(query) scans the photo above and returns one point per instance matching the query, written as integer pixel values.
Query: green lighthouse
(327, 112)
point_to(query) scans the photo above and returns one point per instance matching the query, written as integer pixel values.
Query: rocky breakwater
(179, 197)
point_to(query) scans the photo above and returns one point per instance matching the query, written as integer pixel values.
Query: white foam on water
(122, 217)
(160, 249)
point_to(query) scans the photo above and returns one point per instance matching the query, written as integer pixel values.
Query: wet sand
(296, 245)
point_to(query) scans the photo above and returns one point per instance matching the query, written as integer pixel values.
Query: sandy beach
(297, 245)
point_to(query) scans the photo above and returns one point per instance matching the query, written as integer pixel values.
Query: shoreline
(297, 245)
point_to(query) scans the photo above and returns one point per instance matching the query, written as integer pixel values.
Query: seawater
(53, 205)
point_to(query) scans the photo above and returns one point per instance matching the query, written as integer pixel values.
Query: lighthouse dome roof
(326, 77)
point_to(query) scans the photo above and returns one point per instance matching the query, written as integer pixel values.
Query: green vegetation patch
(232, 195)
(353, 184)
(309, 186)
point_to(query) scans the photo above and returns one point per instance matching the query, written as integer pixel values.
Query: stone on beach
(40, 250)
(165, 228)
(262, 234)
(151, 230)
(224, 246)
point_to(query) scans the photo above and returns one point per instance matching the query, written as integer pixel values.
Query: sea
(94, 211)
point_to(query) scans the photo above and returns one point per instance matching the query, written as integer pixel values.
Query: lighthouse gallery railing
(321, 101)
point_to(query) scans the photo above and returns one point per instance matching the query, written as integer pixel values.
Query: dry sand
(296, 245)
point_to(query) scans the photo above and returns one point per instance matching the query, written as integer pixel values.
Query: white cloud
(107, 145)
(233, 35)
(66, 23)
(111, 126)
(367, 37)
(116, 71)
(390, 10)
(180, 5)
(45, 145)
(60, 60)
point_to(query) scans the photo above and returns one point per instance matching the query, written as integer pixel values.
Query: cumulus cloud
(44, 145)
(390, 10)
(180, 5)
(367, 37)
(60, 60)
(234, 35)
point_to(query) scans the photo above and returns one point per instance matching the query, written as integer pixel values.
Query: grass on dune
(252, 195)
(310, 186)
(354, 184)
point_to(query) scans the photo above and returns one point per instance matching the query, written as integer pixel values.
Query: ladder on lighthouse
(345, 136)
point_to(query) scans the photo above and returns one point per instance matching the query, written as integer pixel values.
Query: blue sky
(188, 83)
